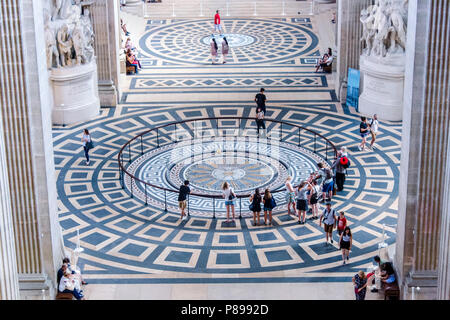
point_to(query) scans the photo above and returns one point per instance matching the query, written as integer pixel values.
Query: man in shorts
(217, 25)
(182, 196)
(329, 222)
(373, 130)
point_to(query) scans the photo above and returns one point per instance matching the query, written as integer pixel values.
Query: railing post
(214, 207)
(165, 200)
(122, 176)
(281, 136)
(326, 151)
(129, 152)
(145, 188)
(240, 208)
(188, 205)
(176, 136)
(299, 137)
(131, 188)
(314, 142)
(142, 148)
(157, 137)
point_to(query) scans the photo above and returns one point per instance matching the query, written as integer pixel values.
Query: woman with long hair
(314, 198)
(345, 242)
(268, 206)
(214, 49)
(290, 195)
(225, 49)
(86, 139)
(302, 201)
(360, 285)
(255, 206)
(229, 196)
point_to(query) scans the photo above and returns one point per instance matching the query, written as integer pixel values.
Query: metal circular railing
(156, 137)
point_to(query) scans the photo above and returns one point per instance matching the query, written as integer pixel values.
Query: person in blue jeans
(86, 139)
(268, 206)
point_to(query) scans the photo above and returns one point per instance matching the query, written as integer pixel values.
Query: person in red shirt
(341, 223)
(217, 26)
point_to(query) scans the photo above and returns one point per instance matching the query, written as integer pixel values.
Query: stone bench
(64, 296)
(391, 290)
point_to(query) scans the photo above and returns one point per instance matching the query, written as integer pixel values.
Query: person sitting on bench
(325, 62)
(132, 61)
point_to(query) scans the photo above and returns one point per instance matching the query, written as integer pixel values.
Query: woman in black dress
(345, 242)
(255, 205)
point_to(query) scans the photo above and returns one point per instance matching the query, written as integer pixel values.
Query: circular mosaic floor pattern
(251, 41)
(245, 164)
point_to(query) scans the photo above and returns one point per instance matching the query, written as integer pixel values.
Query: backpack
(328, 174)
(345, 162)
(260, 99)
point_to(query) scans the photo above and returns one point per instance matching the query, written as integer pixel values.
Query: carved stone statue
(78, 43)
(384, 28)
(65, 45)
(88, 35)
(61, 8)
(51, 46)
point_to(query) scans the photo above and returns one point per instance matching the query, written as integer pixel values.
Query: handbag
(251, 207)
(232, 195)
(89, 145)
(273, 203)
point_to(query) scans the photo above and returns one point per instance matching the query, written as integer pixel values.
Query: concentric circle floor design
(246, 164)
(251, 41)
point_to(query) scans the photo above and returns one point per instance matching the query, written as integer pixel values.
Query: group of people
(325, 60)
(70, 280)
(214, 46)
(366, 128)
(130, 49)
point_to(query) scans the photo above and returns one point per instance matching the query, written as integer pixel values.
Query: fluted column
(26, 107)
(9, 283)
(349, 33)
(444, 252)
(106, 29)
(424, 147)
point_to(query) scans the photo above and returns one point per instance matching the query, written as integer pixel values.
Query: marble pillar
(26, 112)
(9, 282)
(349, 33)
(424, 149)
(444, 246)
(106, 27)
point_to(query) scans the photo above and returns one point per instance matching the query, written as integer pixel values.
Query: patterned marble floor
(125, 241)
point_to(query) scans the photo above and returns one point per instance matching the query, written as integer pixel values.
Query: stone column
(26, 107)
(424, 149)
(9, 283)
(444, 250)
(348, 38)
(106, 29)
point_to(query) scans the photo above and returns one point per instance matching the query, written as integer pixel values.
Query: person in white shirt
(290, 195)
(229, 196)
(373, 130)
(69, 284)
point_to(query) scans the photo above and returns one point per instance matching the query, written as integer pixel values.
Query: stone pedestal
(75, 93)
(383, 83)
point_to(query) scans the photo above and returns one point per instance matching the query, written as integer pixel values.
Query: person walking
(269, 204)
(314, 199)
(341, 223)
(345, 243)
(217, 25)
(87, 144)
(255, 206)
(261, 100)
(373, 130)
(363, 131)
(229, 196)
(340, 165)
(290, 195)
(302, 201)
(327, 182)
(225, 49)
(360, 285)
(260, 121)
(214, 49)
(182, 196)
(329, 222)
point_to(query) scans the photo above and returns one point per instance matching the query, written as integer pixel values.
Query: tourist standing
(261, 100)
(360, 285)
(290, 195)
(269, 204)
(255, 206)
(329, 222)
(214, 49)
(260, 121)
(340, 166)
(87, 144)
(217, 26)
(363, 131)
(327, 181)
(302, 201)
(314, 199)
(182, 196)
(229, 196)
(225, 49)
(345, 243)
(373, 130)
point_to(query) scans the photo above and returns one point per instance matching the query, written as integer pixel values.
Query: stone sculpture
(384, 28)
(74, 41)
